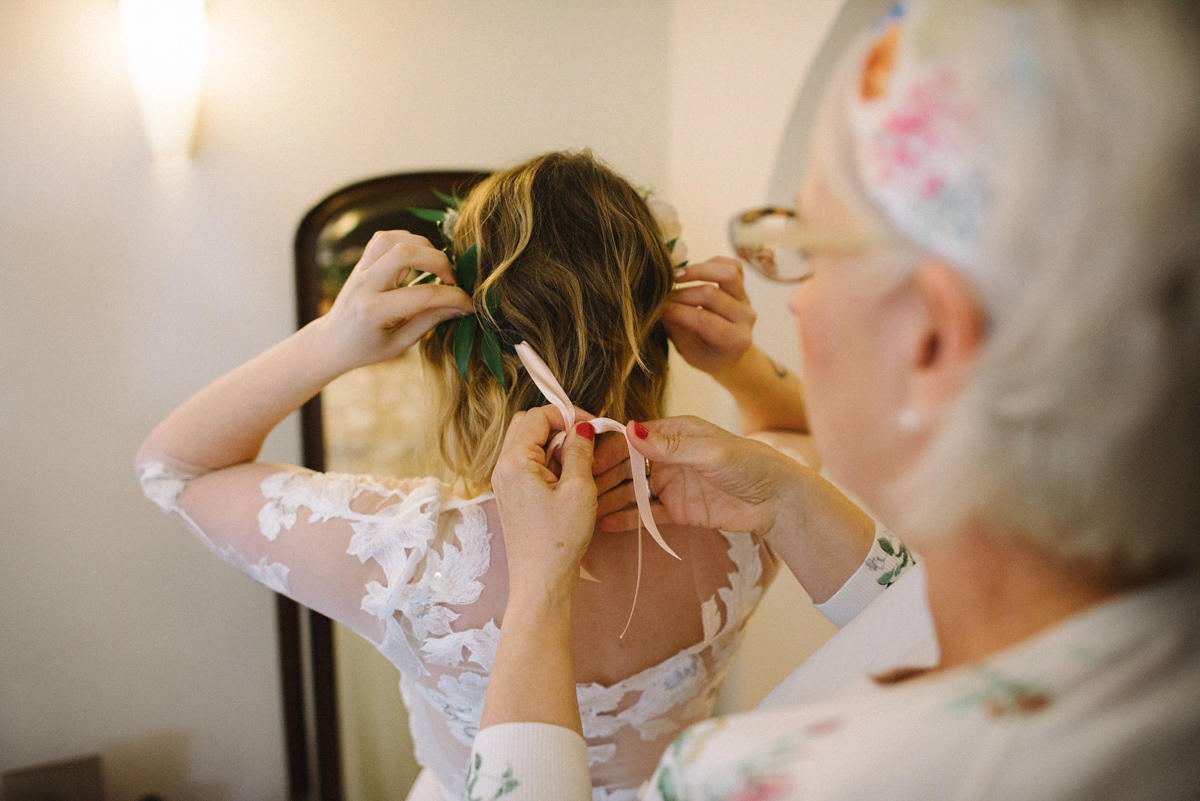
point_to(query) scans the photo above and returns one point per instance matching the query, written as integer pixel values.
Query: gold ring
(647, 471)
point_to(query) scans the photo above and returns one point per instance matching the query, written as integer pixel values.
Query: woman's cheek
(808, 328)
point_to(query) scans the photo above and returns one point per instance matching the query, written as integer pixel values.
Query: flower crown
(473, 328)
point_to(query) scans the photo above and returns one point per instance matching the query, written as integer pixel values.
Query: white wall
(736, 70)
(124, 289)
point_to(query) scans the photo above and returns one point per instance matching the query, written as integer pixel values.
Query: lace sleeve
(313, 537)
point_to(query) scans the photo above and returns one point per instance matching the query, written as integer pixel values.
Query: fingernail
(640, 431)
(680, 272)
(586, 431)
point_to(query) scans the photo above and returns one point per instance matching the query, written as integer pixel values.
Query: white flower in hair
(666, 216)
(669, 227)
(447, 223)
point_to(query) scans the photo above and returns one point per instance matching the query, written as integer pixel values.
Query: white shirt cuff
(529, 762)
(887, 559)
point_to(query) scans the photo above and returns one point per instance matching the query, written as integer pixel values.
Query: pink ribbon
(548, 384)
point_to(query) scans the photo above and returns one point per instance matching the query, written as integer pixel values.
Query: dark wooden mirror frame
(306, 653)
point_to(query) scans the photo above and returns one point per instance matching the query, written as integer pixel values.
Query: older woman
(1001, 343)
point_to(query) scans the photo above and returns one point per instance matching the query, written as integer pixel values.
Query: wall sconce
(166, 45)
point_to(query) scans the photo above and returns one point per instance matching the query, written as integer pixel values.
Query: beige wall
(123, 289)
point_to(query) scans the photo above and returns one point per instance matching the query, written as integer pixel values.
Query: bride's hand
(711, 323)
(547, 520)
(375, 317)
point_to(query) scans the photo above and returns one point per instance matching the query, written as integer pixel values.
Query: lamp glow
(166, 46)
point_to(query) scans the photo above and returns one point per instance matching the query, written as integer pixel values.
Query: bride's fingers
(720, 270)
(381, 242)
(407, 254)
(613, 477)
(628, 518)
(611, 452)
(422, 303)
(615, 499)
(715, 300)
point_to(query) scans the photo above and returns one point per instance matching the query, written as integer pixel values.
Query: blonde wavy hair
(576, 266)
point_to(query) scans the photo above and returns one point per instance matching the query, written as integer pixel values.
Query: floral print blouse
(1104, 705)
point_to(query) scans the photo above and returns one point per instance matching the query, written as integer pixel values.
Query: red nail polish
(586, 431)
(640, 431)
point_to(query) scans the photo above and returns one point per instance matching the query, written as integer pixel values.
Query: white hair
(1080, 427)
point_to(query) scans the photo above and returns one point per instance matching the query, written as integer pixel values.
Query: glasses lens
(758, 238)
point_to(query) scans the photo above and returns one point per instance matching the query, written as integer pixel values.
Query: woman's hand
(711, 327)
(375, 317)
(704, 476)
(547, 520)
(548, 523)
(711, 323)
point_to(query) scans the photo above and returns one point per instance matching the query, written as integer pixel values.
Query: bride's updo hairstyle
(576, 266)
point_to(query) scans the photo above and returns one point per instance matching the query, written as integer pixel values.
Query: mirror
(346, 724)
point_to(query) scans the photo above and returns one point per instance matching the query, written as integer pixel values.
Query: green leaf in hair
(466, 271)
(464, 343)
(430, 215)
(450, 200)
(489, 346)
(465, 268)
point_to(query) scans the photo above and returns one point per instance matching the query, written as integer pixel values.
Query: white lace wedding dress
(422, 575)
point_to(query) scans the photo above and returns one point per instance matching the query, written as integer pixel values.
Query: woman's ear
(955, 331)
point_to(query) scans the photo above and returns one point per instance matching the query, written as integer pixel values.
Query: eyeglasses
(777, 245)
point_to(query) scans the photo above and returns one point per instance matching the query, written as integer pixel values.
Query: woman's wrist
(768, 395)
(533, 608)
(735, 372)
(532, 592)
(818, 532)
(326, 356)
(533, 677)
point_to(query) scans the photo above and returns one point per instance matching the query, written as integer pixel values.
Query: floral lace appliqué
(161, 485)
(433, 553)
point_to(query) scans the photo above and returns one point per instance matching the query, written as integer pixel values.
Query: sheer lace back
(422, 575)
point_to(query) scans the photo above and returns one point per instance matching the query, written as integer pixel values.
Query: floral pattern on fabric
(1100, 705)
(497, 786)
(695, 672)
(892, 562)
(424, 559)
(760, 776)
(271, 574)
(162, 485)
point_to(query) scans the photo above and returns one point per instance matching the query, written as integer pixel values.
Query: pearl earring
(909, 419)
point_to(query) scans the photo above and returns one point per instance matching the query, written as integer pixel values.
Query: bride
(570, 260)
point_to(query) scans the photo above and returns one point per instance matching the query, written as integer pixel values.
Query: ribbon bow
(548, 384)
